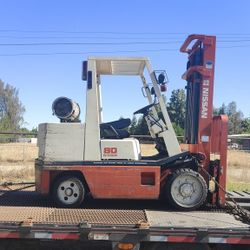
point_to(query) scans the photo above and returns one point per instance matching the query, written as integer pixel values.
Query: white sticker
(205, 138)
(101, 237)
(209, 64)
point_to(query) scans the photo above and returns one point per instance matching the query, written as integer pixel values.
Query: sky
(66, 32)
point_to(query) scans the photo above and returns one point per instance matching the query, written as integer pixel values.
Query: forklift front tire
(68, 191)
(186, 189)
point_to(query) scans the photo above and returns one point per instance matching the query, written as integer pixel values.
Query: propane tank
(66, 109)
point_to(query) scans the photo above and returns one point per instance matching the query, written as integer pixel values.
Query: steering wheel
(144, 110)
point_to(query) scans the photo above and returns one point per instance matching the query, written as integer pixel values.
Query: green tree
(245, 125)
(11, 108)
(133, 126)
(236, 122)
(34, 130)
(177, 107)
(221, 110)
(31, 132)
(176, 110)
(178, 130)
(142, 127)
(235, 118)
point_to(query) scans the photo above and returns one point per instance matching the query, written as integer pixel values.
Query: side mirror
(161, 78)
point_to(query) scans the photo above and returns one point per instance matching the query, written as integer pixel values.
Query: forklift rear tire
(186, 189)
(68, 191)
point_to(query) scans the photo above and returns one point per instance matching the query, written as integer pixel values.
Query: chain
(25, 184)
(233, 208)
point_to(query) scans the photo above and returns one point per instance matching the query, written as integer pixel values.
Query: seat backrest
(115, 129)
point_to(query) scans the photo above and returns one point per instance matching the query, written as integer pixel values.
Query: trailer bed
(28, 215)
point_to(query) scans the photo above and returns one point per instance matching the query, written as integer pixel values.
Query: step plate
(19, 206)
(194, 219)
(70, 216)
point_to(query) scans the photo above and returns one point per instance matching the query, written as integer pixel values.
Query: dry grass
(239, 166)
(238, 186)
(238, 172)
(17, 163)
(18, 152)
(238, 159)
(148, 149)
(19, 173)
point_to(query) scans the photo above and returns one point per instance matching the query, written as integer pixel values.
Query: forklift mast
(204, 133)
(200, 87)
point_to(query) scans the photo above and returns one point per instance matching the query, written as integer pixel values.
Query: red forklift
(102, 159)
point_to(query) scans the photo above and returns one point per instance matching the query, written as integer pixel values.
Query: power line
(90, 52)
(233, 41)
(114, 32)
(233, 46)
(103, 43)
(242, 39)
(168, 39)
(84, 43)
(107, 52)
(85, 37)
(89, 32)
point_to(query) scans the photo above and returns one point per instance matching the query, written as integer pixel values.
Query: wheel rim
(187, 190)
(69, 191)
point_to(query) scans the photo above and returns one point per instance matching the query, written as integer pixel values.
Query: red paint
(65, 236)
(42, 180)
(121, 181)
(219, 147)
(238, 240)
(181, 239)
(163, 87)
(11, 235)
(124, 182)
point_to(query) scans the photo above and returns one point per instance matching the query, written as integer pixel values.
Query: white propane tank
(66, 109)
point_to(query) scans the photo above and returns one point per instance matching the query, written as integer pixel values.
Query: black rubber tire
(187, 172)
(74, 180)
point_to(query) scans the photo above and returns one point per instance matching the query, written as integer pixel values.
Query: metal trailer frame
(26, 215)
(115, 234)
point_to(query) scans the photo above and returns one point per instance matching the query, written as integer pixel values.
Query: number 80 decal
(110, 151)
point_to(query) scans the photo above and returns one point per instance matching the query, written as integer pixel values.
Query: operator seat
(115, 129)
